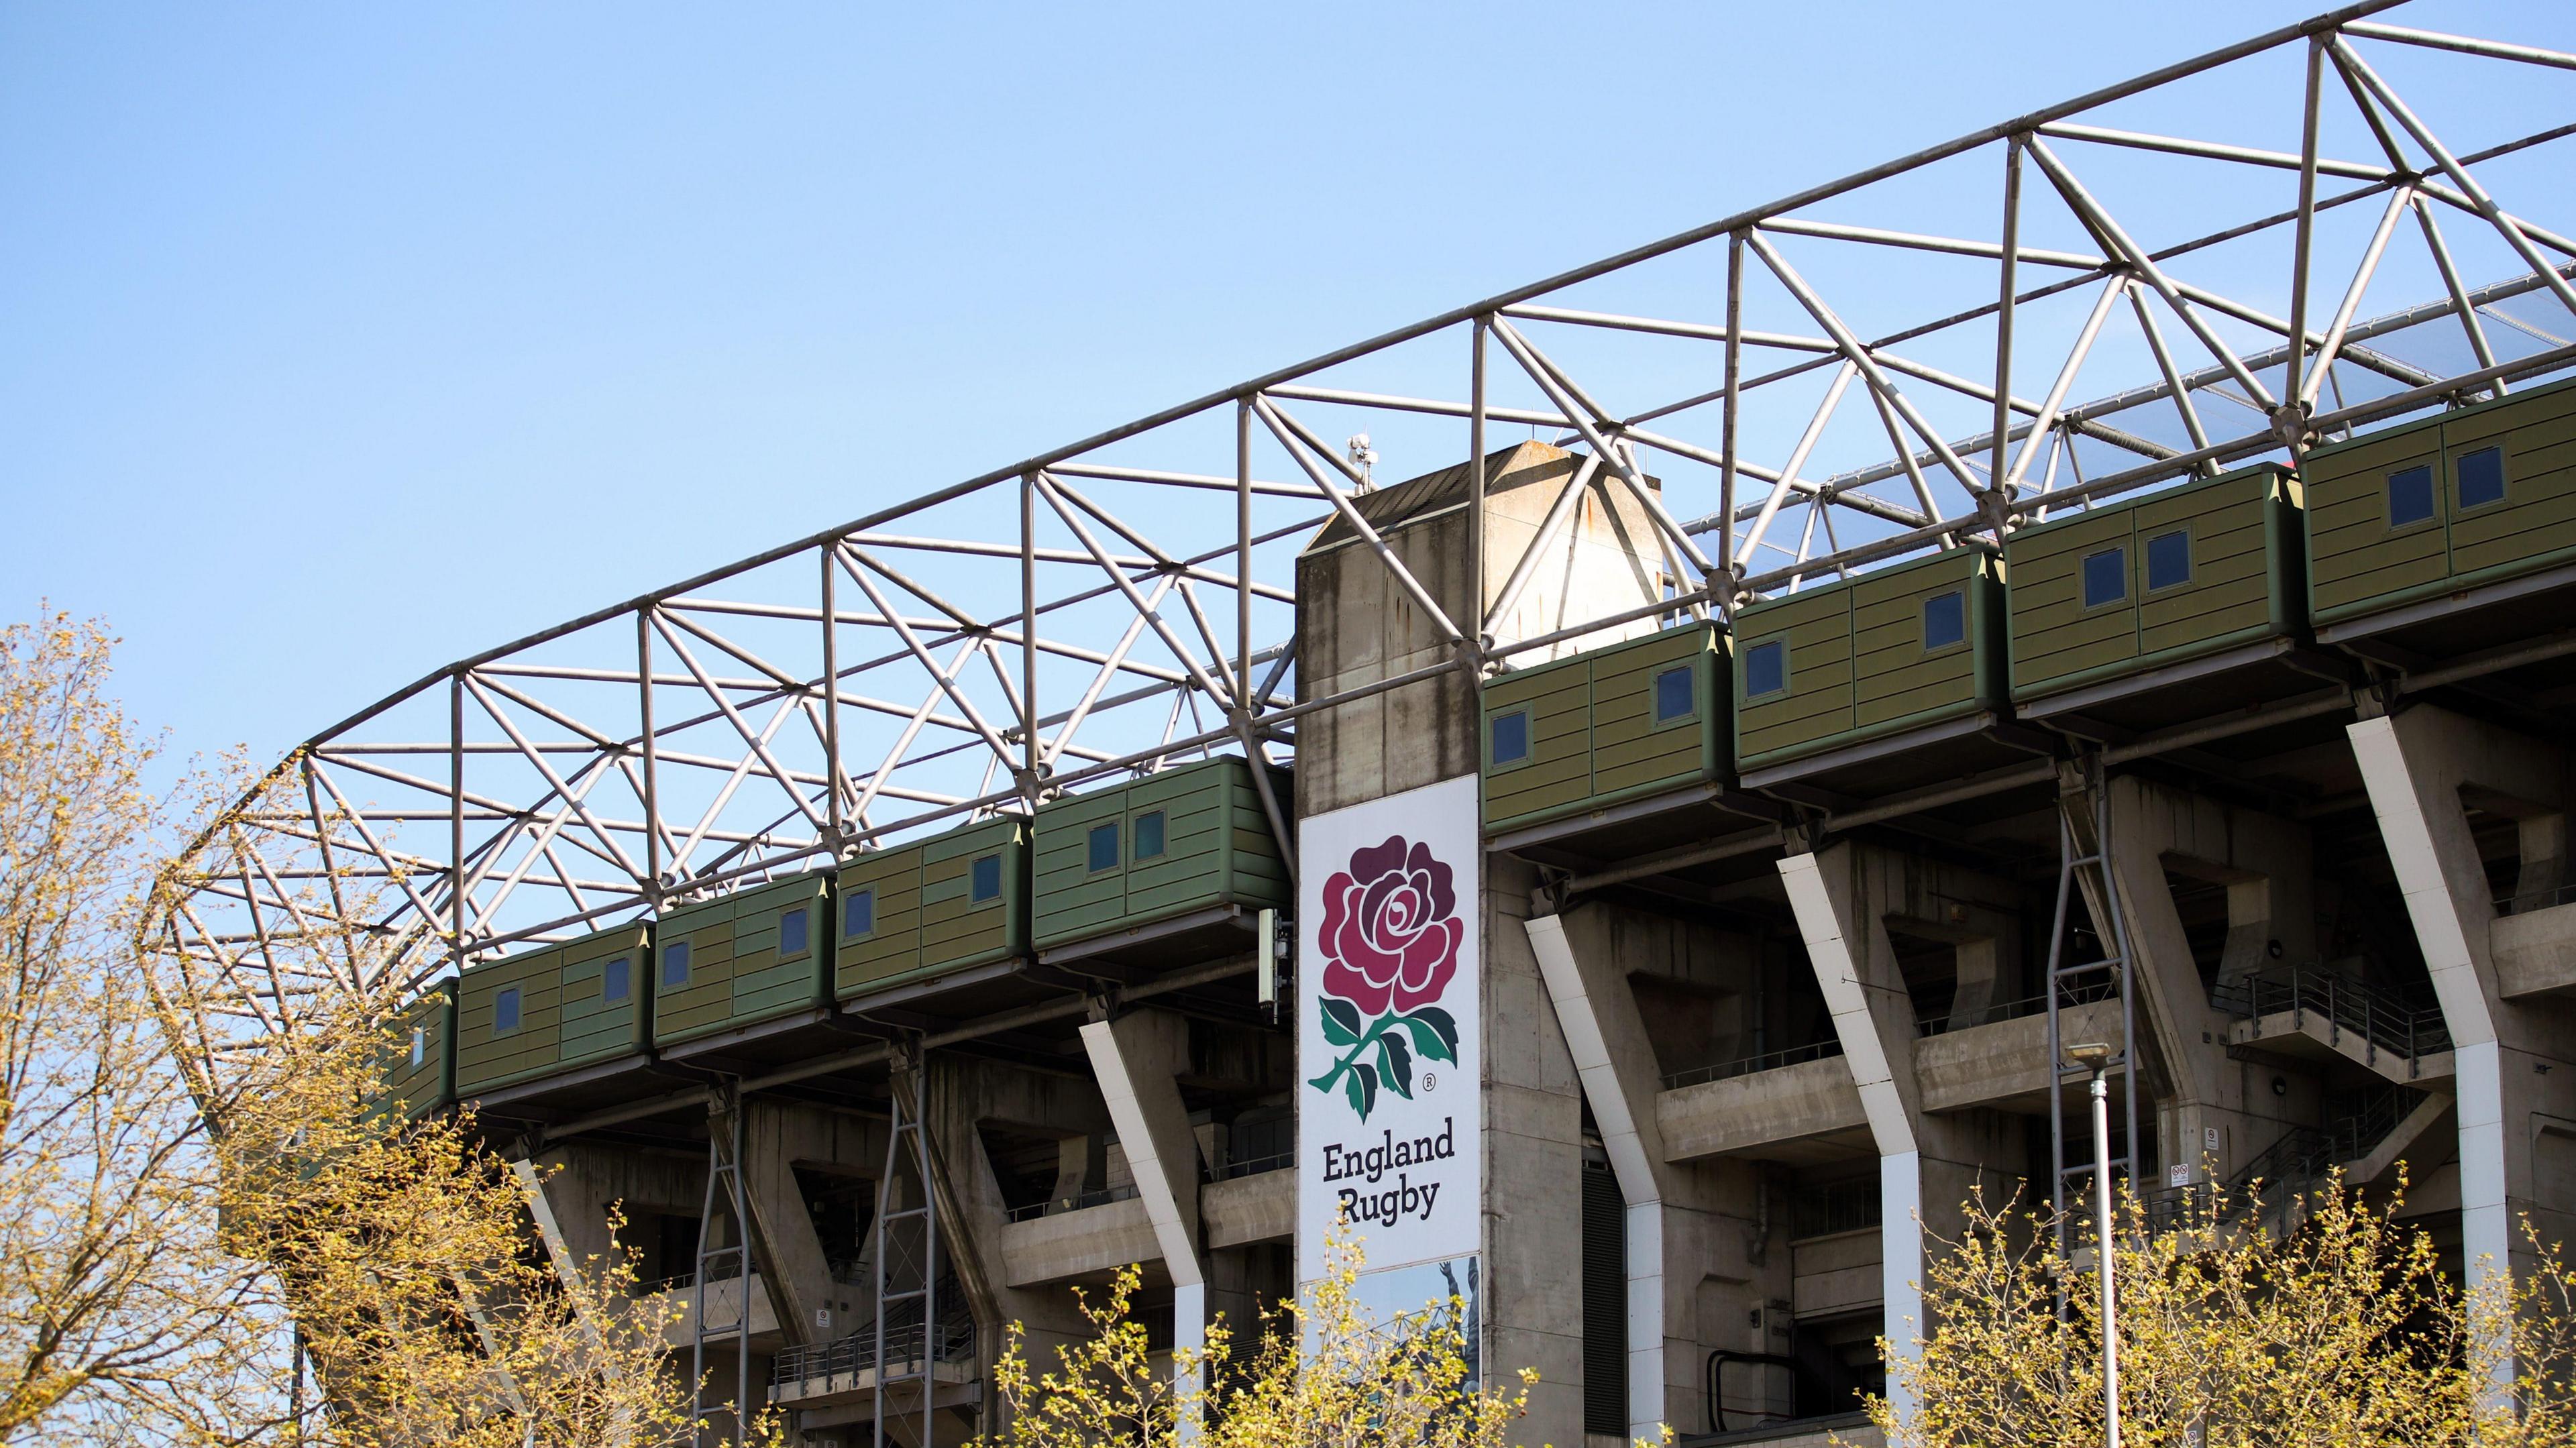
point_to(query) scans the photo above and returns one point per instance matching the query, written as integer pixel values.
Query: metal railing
(1054, 1206)
(1255, 1166)
(850, 1356)
(2077, 994)
(1771, 1061)
(2388, 1019)
(2291, 1167)
(2515, 902)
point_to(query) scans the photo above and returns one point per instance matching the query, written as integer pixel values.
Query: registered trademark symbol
(1429, 1081)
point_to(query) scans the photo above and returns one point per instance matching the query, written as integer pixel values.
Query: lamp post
(2095, 1056)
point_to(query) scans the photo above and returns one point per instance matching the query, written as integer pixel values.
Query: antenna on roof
(1364, 458)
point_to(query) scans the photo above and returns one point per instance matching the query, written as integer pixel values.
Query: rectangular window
(2481, 475)
(1104, 847)
(419, 1046)
(2168, 560)
(1766, 668)
(791, 933)
(1675, 697)
(1945, 620)
(2410, 496)
(2106, 577)
(984, 880)
(614, 984)
(859, 914)
(505, 1012)
(1149, 835)
(675, 965)
(1511, 736)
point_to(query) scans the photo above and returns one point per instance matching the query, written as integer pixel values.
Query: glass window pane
(2169, 559)
(1673, 695)
(675, 964)
(1104, 846)
(419, 1046)
(791, 932)
(1945, 619)
(613, 983)
(2106, 577)
(1511, 736)
(985, 882)
(1766, 668)
(505, 1012)
(859, 914)
(2410, 496)
(1149, 835)
(2481, 477)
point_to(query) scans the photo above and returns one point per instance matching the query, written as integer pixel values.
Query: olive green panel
(1069, 897)
(956, 929)
(430, 1086)
(1632, 751)
(1894, 677)
(2054, 636)
(736, 977)
(2536, 522)
(1557, 773)
(487, 1057)
(892, 949)
(2355, 560)
(1818, 702)
(594, 1028)
(2245, 573)
(1217, 849)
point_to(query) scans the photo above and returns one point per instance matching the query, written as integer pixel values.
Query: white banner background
(1410, 1173)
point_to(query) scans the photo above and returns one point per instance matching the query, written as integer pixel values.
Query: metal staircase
(907, 1350)
(724, 1255)
(2084, 845)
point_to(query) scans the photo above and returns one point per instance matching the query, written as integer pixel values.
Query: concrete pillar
(2416, 767)
(1620, 1083)
(1138, 1058)
(1874, 1020)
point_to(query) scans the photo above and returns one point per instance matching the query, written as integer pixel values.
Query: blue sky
(338, 342)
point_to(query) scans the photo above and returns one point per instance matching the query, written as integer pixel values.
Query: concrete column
(1137, 1058)
(1838, 937)
(1621, 1087)
(2445, 887)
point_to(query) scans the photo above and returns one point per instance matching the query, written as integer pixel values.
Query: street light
(2095, 1056)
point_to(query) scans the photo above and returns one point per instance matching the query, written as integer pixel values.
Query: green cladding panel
(1915, 644)
(1215, 848)
(420, 1075)
(919, 910)
(577, 1004)
(2362, 560)
(1600, 728)
(739, 971)
(2201, 569)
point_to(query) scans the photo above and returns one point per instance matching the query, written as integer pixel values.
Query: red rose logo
(1390, 941)
(1391, 928)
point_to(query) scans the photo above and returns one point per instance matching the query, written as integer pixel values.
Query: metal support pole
(831, 703)
(1029, 641)
(2003, 315)
(1727, 424)
(456, 819)
(1478, 638)
(652, 792)
(2301, 245)
(2103, 1253)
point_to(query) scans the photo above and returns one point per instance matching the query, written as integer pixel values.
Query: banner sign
(1389, 1119)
